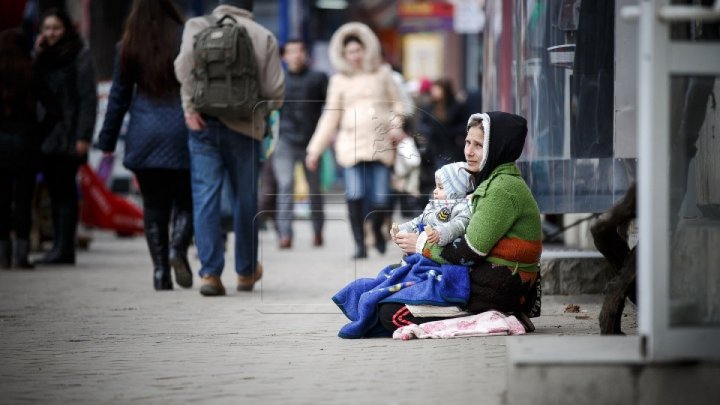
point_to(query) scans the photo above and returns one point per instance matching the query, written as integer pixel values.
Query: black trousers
(16, 193)
(164, 191)
(59, 172)
(393, 315)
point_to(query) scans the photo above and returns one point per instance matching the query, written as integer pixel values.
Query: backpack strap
(229, 17)
(212, 20)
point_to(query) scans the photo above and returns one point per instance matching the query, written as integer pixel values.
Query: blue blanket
(421, 282)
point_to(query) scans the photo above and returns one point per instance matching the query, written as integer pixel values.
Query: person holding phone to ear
(64, 63)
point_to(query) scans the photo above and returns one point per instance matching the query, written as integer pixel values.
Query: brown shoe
(285, 243)
(318, 241)
(246, 283)
(211, 286)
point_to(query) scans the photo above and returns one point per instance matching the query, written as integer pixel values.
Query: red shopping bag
(101, 208)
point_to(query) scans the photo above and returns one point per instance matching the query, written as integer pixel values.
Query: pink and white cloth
(490, 323)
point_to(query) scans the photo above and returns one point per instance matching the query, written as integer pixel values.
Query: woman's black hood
(504, 140)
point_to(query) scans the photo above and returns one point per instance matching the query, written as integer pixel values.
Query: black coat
(305, 93)
(22, 132)
(74, 87)
(156, 138)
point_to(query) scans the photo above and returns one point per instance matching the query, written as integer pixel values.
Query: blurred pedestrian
(224, 140)
(267, 197)
(406, 169)
(65, 64)
(305, 91)
(20, 136)
(362, 98)
(473, 102)
(443, 122)
(156, 142)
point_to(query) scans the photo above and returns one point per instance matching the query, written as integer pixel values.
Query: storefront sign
(417, 16)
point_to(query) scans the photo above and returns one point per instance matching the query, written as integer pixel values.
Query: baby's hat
(455, 179)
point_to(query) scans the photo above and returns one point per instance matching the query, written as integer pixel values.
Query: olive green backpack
(225, 75)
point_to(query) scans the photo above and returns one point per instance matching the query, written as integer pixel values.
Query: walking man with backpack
(231, 78)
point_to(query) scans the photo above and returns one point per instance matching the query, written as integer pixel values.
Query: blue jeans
(218, 153)
(370, 182)
(283, 163)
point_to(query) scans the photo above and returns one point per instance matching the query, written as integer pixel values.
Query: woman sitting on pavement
(502, 243)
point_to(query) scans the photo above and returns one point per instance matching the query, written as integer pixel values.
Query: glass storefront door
(679, 179)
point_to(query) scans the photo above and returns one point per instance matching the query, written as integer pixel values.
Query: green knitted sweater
(505, 225)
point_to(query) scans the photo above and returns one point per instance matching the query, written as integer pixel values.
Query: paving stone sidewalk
(98, 333)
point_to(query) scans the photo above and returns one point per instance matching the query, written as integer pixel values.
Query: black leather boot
(4, 254)
(63, 251)
(378, 218)
(157, 240)
(181, 237)
(21, 249)
(355, 210)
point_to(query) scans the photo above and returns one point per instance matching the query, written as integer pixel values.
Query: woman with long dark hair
(20, 137)
(65, 65)
(156, 143)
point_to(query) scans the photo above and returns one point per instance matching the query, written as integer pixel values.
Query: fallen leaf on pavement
(572, 308)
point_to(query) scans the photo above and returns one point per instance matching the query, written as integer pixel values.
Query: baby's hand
(433, 235)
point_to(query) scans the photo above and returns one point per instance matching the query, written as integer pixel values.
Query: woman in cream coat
(362, 99)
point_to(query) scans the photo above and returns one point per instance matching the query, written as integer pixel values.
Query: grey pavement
(99, 333)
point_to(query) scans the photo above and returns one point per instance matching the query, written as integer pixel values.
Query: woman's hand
(81, 147)
(311, 161)
(406, 242)
(40, 43)
(395, 135)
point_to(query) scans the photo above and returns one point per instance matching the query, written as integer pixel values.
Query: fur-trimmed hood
(373, 59)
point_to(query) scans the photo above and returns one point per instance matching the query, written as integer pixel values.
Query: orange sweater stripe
(517, 250)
